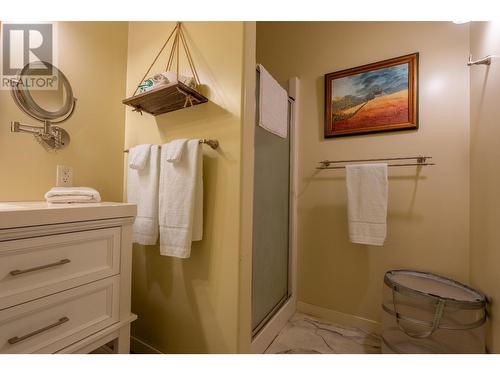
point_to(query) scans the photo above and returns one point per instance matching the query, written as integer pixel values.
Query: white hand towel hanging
(142, 189)
(138, 156)
(273, 105)
(175, 149)
(367, 192)
(181, 198)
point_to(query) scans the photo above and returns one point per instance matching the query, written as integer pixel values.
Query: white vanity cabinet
(65, 275)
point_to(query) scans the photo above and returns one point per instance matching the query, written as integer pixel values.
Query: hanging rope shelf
(170, 96)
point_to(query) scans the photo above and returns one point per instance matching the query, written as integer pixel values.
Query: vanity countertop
(23, 214)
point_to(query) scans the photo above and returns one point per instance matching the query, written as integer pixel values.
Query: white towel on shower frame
(273, 105)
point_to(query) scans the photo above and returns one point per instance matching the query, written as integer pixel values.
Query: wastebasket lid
(432, 285)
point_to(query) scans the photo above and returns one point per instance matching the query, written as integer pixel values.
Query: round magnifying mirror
(45, 98)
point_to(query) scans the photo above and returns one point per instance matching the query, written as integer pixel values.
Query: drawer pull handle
(20, 272)
(16, 339)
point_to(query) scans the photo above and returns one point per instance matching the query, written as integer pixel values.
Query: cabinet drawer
(54, 322)
(36, 267)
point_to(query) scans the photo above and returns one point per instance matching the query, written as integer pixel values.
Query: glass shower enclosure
(271, 223)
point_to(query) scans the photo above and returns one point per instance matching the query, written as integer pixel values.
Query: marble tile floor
(305, 334)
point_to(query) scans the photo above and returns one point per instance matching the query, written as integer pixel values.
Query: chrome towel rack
(213, 143)
(418, 161)
(483, 61)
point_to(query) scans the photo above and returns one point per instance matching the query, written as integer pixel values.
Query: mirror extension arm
(51, 137)
(16, 127)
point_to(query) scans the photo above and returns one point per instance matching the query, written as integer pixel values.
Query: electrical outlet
(64, 176)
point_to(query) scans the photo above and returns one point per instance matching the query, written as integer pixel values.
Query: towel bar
(419, 161)
(213, 143)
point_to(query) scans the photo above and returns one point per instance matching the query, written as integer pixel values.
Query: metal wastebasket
(427, 313)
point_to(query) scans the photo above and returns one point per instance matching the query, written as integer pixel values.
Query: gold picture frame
(377, 97)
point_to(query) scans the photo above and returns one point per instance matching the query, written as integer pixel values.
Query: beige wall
(485, 180)
(191, 306)
(428, 214)
(93, 56)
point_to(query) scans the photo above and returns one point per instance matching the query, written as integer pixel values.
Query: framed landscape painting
(377, 97)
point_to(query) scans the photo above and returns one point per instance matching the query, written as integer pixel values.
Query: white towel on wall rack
(142, 189)
(139, 156)
(367, 193)
(175, 149)
(181, 198)
(273, 104)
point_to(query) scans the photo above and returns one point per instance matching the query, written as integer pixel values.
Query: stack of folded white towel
(166, 78)
(72, 195)
(168, 191)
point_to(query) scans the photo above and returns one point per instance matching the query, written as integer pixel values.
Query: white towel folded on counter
(72, 195)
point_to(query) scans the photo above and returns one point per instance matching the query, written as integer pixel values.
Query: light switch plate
(64, 176)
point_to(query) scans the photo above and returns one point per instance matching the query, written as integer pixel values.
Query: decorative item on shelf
(382, 96)
(168, 91)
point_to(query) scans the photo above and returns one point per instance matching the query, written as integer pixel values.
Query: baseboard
(366, 325)
(137, 346)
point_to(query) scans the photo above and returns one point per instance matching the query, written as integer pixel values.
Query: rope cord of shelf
(174, 54)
